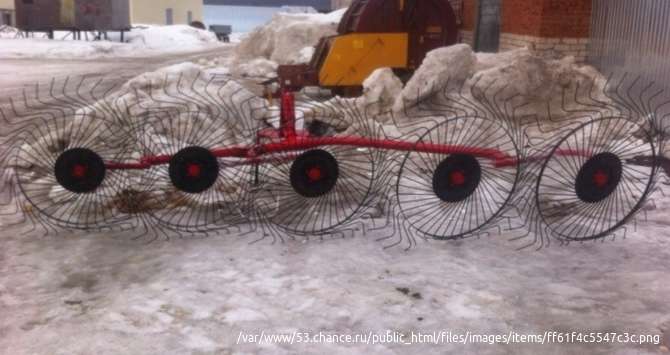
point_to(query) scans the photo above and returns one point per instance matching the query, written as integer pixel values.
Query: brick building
(500, 25)
(160, 12)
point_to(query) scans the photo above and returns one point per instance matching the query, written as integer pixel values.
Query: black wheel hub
(598, 177)
(457, 177)
(193, 169)
(314, 173)
(79, 170)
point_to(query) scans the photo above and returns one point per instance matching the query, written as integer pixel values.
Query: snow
(175, 37)
(442, 69)
(236, 37)
(285, 39)
(140, 42)
(114, 296)
(103, 292)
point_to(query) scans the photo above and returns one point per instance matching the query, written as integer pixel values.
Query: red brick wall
(468, 15)
(522, 17)
(539, 18)
(566, 18)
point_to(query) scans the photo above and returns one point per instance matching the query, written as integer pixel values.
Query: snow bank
(177, 37)
(236, 37)
(442, 69)
(449, 74)
(549, 88)
(285, 39)
(145, 41)
(46, 48)
(188, 99)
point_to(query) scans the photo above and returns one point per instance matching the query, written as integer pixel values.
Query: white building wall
(7, 13)
(155, 11)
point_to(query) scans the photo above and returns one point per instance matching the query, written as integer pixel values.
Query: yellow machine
(374, 34)
(353, 57)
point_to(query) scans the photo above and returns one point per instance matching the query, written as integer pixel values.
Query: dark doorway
(488, 26)
(168, 17)
(6, 19)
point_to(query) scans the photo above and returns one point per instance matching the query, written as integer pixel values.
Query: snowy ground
(140, 42)
(104, 293)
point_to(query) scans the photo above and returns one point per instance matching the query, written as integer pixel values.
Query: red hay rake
(174, 167)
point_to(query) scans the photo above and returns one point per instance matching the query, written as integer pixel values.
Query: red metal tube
(310, 143)
(287, 115)
(253, 154)
(499, 163)
(234, 152)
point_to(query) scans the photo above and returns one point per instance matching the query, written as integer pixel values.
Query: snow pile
(174, 107)
(457, 77)
(285, 39)
(456, 73)
(179, 37)
(141, 42)
(442, 69)
(237, 37)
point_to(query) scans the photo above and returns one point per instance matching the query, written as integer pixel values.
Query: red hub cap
(79, 171)
(314, 173)
(194, 170)
(600, 178)
(457, 178)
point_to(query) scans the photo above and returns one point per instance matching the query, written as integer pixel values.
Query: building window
(168, 17)
(6, 19)
(189, 15)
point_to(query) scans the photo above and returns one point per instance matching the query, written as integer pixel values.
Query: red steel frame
(289, 139)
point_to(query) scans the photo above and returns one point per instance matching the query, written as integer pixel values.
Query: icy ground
(104, 293)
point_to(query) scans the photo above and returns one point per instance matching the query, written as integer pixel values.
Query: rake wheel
(193, 170)
(79, 170)
(315, 191)
(61, 173)
(195, 191)
(455, 193)
(589, 186)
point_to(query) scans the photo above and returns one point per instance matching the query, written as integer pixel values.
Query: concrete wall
(7, 4)
(561, 25)
(154, 11)
(7, 7)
